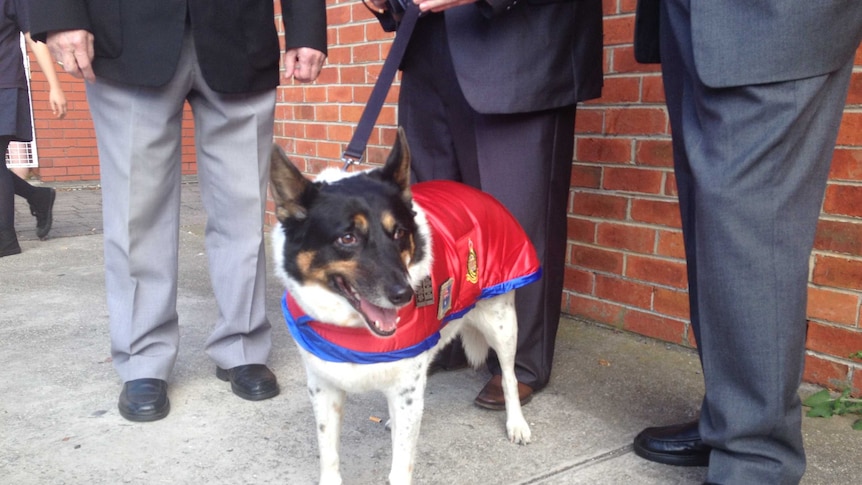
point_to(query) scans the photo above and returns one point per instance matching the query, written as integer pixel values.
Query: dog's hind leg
(406, 404)
(328, 405)
(498, 322)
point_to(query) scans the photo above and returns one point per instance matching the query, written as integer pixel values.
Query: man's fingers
(73, 50)
(303, 64)
(85, 65)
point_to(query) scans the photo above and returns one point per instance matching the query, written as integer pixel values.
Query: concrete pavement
(59, 422)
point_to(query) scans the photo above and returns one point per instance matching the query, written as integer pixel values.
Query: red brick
(837, 272)
(620, 89)
(366, 53)
(671, 302)
(622, 291)
(581, 230)
(609, 7)
(636, 121)
(339, 94)
(579, 281)
(654, 326)
(664, 272)
(843, 200)
(589, 120)
(833, 306)
(603, 149)
(599, 205)
(654, 153)
(623, 236)
(350, 34)
(351, 113)
(352, 74)
(626, 179)
(627, 6)
(670, 243)
(337, 55)
(850, 132)
(825, 372)
(329, 150)
(373, 31)
(338, 15)
(652, 89)
(854, 96)
(597, 259)
(839, 237)
(596, 310)
(846, 164)
(838, 342)
(856, 381)
(661, 212)
(586, 176)
(670, 188)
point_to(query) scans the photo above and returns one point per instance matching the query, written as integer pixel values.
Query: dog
(372, 295)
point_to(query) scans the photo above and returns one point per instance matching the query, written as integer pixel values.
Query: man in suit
(488, 96)
(755, 92)
(142, 61)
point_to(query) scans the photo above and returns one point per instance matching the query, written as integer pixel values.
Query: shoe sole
(223, 375)
(674, 460)
(145, 418)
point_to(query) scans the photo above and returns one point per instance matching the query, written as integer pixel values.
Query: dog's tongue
(385, 319)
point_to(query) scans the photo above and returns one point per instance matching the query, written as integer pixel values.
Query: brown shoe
(491, 396)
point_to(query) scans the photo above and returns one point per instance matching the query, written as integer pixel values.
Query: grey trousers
(139, 134)
(751, 165)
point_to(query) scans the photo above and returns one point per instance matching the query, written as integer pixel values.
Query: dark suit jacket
(138, 42)
(740, 42)
(526, 55)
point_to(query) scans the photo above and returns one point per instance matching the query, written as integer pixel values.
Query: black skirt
(15, 114)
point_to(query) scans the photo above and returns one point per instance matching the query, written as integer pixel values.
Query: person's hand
(440, 5)
(58, 102)
(303, 64)
(73, 51)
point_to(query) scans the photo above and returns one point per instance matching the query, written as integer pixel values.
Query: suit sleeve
(48, 16)
(304, 23)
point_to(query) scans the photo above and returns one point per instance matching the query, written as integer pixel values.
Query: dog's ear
(288, 185)
(397, 167)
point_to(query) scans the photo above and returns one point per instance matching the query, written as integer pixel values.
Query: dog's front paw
(330, 479)
(519, 431)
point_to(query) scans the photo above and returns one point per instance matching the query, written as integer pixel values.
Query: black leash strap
(355, 149)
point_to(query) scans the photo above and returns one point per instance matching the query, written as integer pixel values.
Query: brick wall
(625, 266)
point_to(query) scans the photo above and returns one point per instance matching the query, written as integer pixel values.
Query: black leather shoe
(678, 445)
(144, 400)
(254, 382)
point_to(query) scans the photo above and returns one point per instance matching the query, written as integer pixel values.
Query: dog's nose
(400, 294)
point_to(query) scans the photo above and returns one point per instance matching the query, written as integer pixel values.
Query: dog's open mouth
(381, 321)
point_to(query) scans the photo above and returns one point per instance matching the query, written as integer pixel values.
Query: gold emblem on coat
(472, 265)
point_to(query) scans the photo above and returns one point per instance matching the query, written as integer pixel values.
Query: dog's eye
(348, 239)
(399, 233)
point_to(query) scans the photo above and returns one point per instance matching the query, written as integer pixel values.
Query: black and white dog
(380, 275)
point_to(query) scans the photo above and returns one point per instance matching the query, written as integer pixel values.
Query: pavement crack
(585, 463)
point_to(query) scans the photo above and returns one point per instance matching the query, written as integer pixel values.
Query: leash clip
(349, 160)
